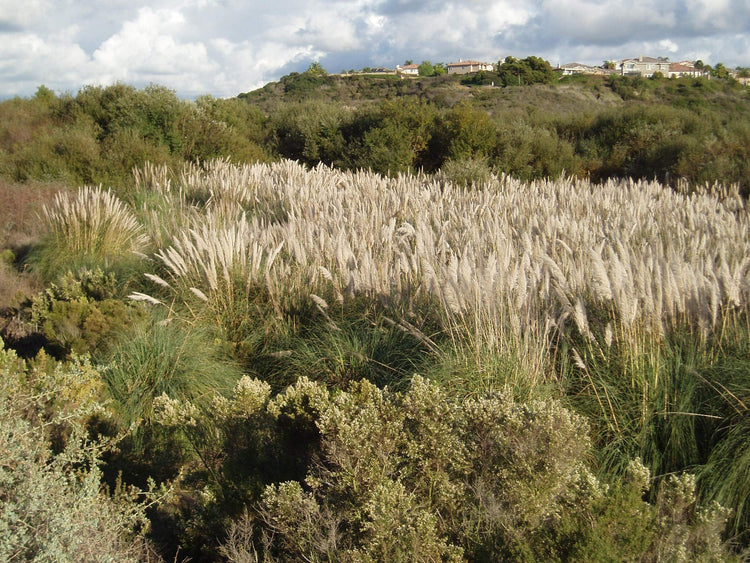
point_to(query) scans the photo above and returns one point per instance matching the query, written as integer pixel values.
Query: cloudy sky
(224, 47)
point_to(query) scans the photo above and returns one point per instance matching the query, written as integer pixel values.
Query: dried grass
(93, 221)
(507, 261)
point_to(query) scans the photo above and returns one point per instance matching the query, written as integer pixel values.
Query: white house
(408, 70)
(579, 68)
(685, 68)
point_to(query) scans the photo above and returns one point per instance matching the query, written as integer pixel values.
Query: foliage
(81, 313)
(155, 357)
(531, 70)
(397, 138)
(466, 171)
(102, 133)
(419, 476)
(310, 131)
(426, 69)
(52, 506)
(464, 133)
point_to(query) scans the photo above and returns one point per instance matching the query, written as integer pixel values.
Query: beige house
(469, 67)
(408, 70)
(643, 66)
(684, 69)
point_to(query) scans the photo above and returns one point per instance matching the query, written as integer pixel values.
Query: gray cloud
(223, 47)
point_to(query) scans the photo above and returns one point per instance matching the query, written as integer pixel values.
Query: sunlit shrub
(51, 505)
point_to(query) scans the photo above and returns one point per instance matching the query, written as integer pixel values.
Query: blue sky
(224, 47)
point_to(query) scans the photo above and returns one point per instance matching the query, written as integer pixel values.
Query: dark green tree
(720, 71)
(531, 70)
(426, 69)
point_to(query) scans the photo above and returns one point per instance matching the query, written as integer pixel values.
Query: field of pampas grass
(506, 257)
(620, 298)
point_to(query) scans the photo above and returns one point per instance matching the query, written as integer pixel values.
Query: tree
(408, 62)
(316, 69)
(720, 71)
(609, 65)
(426, 69)
(531, 70)
(44, 95)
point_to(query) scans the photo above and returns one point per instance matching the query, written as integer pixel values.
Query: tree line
(665, 129)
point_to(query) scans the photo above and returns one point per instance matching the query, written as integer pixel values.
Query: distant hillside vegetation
(691, 130)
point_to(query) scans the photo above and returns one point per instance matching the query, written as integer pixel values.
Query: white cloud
(15, 15)
(30, 60)
(224, 47)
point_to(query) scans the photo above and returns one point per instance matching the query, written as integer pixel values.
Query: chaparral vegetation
(436, 334)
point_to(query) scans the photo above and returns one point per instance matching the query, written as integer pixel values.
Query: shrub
(466, 172)
(51, 506)
(81, 312)
(419, 476)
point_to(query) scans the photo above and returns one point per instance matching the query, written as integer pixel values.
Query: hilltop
(355, 91)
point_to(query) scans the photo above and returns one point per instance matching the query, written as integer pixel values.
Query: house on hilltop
(408, 70)
(683, 69)
(643, 66)
(579, 68)
(469, 67)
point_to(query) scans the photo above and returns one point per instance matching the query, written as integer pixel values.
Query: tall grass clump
(88, 229)
(156, 357)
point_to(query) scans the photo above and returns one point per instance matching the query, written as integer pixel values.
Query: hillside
(445, 92)
(376, 320)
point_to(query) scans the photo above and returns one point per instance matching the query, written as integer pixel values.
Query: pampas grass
(89, 228)
(610, 295)
(518, 256)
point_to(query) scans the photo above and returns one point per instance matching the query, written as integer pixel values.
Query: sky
(226, 47)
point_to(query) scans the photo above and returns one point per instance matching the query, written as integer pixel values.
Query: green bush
(419, 476)
(310, 131)
(81, 313)
(466, 172)
(51, 506)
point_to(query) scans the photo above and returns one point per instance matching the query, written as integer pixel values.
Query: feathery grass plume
(90, 228)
